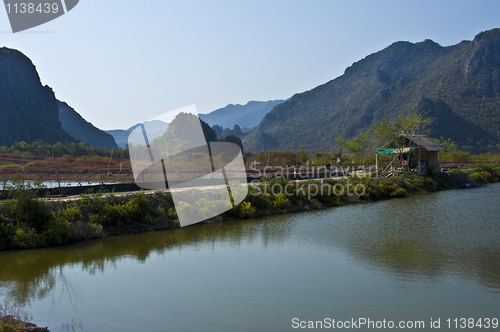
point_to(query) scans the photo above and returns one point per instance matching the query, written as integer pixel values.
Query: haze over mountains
(154, 128)
(458, 85)
(248, 115)
(223, 120)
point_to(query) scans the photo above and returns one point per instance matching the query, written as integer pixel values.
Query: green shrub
(408, 184)
(373, 191)
(245, 210)
(159, 211)
(418, 182)
(400, 192)
(92, 203)
(71, 213)
(457, 172)
(7, 233)
(172, 214)
(421, 182)
(112, 211)
(33, 213)
(325, 194)
(280, 201)
(29, 239)
(492, 169)
(430, 185)
(139, 209)
(396, 180)
(476, 177)
(259, 201)
(110, 215)
(56, 231)
(8, 325)
(481, 177)
(25, 206)
(339, 190)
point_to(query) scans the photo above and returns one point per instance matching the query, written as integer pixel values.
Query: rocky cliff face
(483, 61)
(28, 110)
(459, 85)
(75, 125)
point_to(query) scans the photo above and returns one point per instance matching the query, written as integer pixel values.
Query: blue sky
(122, 62)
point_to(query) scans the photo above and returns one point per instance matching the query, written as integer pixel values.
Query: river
(420, 258)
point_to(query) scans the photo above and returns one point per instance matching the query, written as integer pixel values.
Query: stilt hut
(413, 151)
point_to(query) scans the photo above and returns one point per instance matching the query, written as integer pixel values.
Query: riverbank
(27, 221)
(16, 319)
(11, 324)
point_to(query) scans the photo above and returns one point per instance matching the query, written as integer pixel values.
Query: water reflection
(419, 238)
(32, 274)
(447, 233)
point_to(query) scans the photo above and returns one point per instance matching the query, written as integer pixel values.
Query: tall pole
(419, 149)
(268, 154)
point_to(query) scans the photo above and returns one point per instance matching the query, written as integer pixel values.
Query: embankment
(28, 221)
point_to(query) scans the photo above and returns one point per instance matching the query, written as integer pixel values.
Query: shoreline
(11, 323)
(97, 215)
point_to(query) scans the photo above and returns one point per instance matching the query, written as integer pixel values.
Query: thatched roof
(426, 143)
(421, 141)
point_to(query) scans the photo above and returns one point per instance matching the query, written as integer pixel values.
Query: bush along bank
(27, 221)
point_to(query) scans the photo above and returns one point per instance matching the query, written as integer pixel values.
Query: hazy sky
(122, 62)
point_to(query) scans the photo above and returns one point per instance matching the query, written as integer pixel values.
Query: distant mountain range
(221, 132)
(458, 85)
(248, 115)
(154, 129)
(243, 116)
